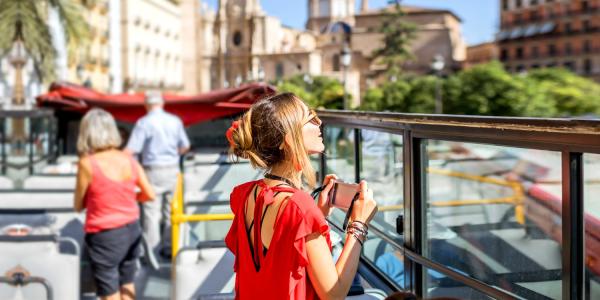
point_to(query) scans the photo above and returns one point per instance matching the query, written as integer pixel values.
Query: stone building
(238, 42)
(482, 53)
(551, 33)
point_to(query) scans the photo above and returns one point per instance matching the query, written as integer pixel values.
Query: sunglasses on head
(313, 118)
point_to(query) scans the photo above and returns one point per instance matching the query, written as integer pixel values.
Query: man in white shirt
(159, 139)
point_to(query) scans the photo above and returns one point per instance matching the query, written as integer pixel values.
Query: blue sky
(480, 17)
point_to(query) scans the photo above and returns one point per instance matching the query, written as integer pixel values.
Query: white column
(58, 42)
(115, 61)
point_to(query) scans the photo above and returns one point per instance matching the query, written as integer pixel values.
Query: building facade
(551, 33)
(238, 42)
(482, 53)
(152, 47)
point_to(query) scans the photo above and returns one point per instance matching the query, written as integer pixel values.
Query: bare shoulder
(84, 164)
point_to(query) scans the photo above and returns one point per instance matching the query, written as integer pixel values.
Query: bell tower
(323, 12)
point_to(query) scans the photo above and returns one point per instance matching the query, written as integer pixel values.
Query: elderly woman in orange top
(107, 186)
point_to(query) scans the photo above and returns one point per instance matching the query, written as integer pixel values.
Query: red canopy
(130, 107)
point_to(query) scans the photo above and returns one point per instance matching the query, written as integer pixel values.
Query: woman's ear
(287, 141)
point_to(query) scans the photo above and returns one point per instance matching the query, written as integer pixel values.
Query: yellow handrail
(516, 199)
(178, 216)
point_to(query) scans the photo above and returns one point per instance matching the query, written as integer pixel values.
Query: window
(324, 8)
(568, 49)
(587, 46)
(570, 65)
(336, 62)
(585, 25)
(585, 6)
(237, 38)
(568, 27)
(279, 70)
(533, 2)
(521, 68)
(518, 18)
(535, 51)
(552, 50)
(519, 3)
(587, 66)
(591, 212)
(504, 4)
(534, 15)
(467, 238)
(519, 53)
(504, 55)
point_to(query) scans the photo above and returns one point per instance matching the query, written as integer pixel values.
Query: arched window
(336, 62)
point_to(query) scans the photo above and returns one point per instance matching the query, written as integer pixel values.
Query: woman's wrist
(358, 230)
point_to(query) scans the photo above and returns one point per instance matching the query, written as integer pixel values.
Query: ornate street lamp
(18, 59)
(346, 59)
(437, 65)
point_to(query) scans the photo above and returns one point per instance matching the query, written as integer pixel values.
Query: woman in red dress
(279, 235)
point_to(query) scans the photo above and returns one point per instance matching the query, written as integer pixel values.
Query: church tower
(323, 12)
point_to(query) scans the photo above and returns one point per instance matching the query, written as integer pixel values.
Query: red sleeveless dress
(281, 272)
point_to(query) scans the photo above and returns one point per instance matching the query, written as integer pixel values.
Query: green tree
(24, 21)
(397, 35)
(317, 91)
(571, 94)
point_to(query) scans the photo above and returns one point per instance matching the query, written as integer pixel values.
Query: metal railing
(571, 137)
(178, 215)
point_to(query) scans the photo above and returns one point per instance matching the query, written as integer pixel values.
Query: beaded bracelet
(357, 238)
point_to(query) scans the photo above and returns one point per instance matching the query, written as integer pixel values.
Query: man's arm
(136, 139)
(183, 144)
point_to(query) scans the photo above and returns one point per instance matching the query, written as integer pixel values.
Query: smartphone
(343, 194)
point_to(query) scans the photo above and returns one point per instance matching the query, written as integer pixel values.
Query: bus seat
(202, 272)
(38, 182)
(41, 258)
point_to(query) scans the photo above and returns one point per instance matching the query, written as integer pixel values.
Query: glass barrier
(591, 205)
(489, 211)
(440, 286)
(339, 152)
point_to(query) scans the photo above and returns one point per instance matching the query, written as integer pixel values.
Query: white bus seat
(27, 200)
(49, 182)
(6, 183)
(202, 272)
(41, 259)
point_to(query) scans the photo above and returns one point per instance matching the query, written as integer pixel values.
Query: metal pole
(345, 91)
(3, 145)
(438, 95)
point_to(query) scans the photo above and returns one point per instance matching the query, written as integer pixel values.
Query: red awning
(130, 107)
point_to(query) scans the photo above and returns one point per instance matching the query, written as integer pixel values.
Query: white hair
(97, 131)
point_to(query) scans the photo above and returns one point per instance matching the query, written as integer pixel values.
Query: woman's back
(110, 198)
(280, 272)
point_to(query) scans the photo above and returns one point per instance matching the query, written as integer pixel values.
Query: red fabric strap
(265, 197)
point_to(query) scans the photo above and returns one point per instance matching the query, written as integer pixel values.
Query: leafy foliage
(489, 90)
(317, 91)
(25, 21)
(397, 35)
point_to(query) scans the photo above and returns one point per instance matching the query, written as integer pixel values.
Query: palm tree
(23, 28)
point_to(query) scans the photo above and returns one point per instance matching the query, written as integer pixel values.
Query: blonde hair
(97, 131)
(260, 137)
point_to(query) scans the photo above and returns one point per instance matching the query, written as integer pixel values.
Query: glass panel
(591, 205)
(489, 211)
(381, 167)
(387, 258)
(438, 285)
(339, 152)
(340, 159)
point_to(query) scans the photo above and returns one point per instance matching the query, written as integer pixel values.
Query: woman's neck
(282, 170)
